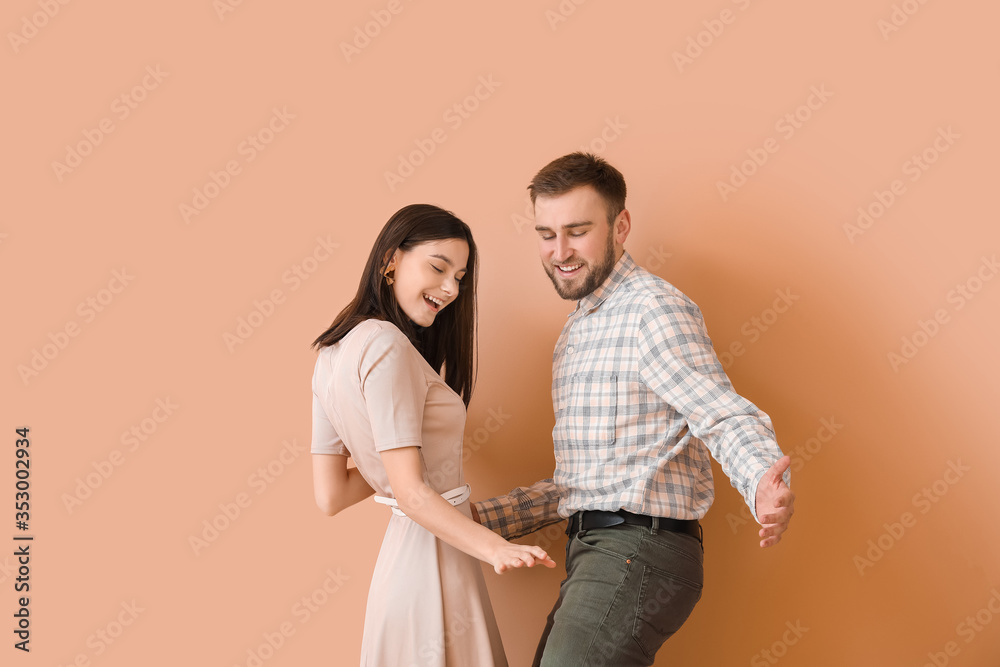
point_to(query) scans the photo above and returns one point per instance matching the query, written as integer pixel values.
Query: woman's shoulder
(375, 338)
(370, 343)
(372, 329)
(364, 335)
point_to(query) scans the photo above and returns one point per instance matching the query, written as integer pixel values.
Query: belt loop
(655, 525)
(573, 524)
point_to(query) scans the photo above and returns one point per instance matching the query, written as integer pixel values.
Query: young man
(640, 401)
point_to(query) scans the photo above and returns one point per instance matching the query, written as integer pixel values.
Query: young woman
(379, 397)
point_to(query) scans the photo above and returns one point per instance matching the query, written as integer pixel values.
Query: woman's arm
(336, 486)
(425, 506)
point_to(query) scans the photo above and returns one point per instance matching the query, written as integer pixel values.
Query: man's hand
(774, 503)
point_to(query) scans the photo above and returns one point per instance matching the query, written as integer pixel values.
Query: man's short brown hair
(576, 169)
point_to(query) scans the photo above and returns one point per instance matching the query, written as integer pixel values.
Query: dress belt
(455, 496)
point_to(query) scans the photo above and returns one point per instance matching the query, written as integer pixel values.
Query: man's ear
(622, 226)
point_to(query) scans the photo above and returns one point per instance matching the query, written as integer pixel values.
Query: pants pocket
(665, 601)
(619, 541)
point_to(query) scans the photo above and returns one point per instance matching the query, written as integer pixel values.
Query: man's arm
(521, 511)
(678, 363)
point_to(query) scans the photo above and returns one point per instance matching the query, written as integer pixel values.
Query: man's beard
(597, 275)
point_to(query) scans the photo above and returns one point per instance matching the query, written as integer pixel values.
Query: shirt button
(569, 350)
(558, 459)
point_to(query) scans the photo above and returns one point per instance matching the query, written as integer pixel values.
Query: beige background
(609, 78)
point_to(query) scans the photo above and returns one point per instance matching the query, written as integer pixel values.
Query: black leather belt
(602, 519)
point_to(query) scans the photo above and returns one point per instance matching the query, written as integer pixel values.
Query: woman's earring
(389, 269)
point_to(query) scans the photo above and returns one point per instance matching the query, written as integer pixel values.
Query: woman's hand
(404, 468)
(510, 555)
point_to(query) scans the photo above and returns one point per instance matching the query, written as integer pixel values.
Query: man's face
(577, 246)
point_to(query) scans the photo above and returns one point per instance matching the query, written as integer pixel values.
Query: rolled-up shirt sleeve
(677, 362)
(523, 510)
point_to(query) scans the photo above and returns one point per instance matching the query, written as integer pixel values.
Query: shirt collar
(623, 267)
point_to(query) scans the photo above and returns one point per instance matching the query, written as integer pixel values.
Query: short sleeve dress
(428, 604)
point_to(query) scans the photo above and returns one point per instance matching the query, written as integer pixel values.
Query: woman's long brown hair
(449, 343)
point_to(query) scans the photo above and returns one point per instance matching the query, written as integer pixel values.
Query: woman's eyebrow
(448, 261)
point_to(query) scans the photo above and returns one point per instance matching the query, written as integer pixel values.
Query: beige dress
(427, 605)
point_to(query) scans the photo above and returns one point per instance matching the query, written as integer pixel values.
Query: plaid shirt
(640, 401)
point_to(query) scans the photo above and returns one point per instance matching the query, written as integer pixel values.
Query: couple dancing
(640, 402)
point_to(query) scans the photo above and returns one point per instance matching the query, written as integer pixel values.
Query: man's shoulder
(647, 291)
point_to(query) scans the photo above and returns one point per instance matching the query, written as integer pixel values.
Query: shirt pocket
(587, 417)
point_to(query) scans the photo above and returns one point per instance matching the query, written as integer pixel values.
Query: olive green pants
(627, 589)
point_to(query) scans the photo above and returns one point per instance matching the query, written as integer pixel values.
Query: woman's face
(427, 276)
